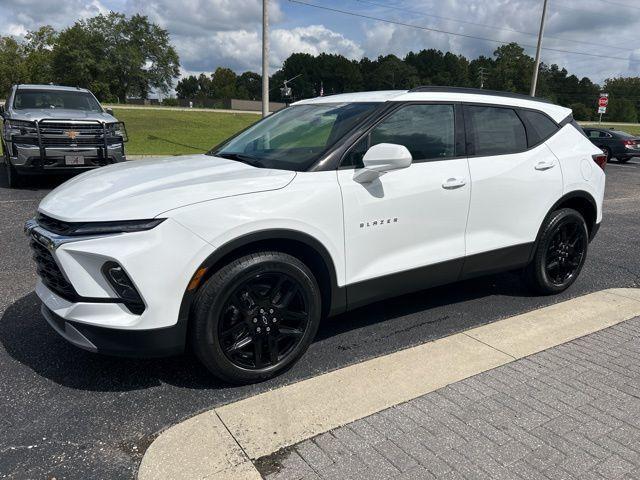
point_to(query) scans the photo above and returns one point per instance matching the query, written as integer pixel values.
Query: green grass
(167, 132)
(632, 129)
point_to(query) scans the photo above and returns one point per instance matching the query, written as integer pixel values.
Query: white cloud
(24, 15)
(211, 33)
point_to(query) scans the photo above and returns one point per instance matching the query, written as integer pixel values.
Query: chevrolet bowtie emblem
(72, 134)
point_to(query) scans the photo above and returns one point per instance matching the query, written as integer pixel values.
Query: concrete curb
(222, 442)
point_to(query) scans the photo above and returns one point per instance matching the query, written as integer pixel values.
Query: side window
(494, 130)
(354, 156)
(428, 131)
(594, 134)
(539, 126)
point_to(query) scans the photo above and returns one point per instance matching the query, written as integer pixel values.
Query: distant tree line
(509, 70)
(120, 57)
(115, 56)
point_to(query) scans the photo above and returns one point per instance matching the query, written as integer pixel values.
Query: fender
(576, 194)
(338, 298)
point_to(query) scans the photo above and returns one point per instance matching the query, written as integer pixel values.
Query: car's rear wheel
(256, 316)
(623, 160)
(560, 253)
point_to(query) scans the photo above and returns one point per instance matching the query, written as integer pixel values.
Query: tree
(38, 50)
(391, 73)
(581, 111)
(512, 69)
(12, 67)
(187, 87)
(116, 56)
(223, 83)
(249, 86)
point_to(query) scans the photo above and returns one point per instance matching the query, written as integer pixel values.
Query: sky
(212, 33)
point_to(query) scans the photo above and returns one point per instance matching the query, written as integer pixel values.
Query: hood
(33, 114)
(141, 189)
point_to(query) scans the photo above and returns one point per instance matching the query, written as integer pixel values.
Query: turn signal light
(600, 159)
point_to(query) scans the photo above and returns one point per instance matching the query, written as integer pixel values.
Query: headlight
(17, 127)
(96, 228)
(118, 129)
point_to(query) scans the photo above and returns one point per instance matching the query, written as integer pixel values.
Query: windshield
(296, 137)
(50, 99)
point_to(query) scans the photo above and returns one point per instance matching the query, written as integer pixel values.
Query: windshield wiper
(241, 157)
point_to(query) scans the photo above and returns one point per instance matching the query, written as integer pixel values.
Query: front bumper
(29, 159)
(160, 262)
(160, 342)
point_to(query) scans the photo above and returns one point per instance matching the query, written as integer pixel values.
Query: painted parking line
(222, 442)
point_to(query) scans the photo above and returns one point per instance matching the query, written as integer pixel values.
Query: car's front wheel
(256, 316)
(560, 253)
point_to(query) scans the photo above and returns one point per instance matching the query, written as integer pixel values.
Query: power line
(619, 4)
(484, 25)
(437, 30)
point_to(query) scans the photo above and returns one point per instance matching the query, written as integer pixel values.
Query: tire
(560, 253)
(13, 177)
(623, 160)
(607, 152)
(248, 306)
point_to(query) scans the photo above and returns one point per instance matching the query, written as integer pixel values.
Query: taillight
(629, 142)
(600, 159)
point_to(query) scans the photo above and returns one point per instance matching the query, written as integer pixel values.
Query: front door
(405, 230)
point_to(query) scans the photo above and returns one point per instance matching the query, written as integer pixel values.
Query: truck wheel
(255, 317)
(13, 178)
(560, 253)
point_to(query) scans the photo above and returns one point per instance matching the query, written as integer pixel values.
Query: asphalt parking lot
(65, 413)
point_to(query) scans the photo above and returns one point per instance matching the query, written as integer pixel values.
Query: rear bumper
(159, 342)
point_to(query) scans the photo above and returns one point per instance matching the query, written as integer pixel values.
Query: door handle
(453, 183)
(544, 165)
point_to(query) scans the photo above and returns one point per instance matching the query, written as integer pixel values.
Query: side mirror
(109, 111)
(382, 158)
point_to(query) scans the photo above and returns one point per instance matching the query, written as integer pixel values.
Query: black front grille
(50, 273)
(53, 225)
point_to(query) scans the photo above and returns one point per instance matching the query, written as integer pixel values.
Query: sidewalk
(572, 411)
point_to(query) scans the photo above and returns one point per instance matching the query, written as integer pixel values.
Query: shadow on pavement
(28, 339)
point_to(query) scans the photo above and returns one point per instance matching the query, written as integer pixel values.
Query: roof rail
(477, 91)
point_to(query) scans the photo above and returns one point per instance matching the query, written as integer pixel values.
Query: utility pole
(265, 58)
(534, 80)
(482, 74)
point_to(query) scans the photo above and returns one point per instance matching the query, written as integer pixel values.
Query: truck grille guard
(86, 133)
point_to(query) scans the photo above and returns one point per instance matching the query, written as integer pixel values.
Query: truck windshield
(295, 137)
(51, 99)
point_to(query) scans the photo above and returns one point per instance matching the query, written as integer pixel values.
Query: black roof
(478, 91)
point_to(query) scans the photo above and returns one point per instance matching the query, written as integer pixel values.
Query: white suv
(327, 205)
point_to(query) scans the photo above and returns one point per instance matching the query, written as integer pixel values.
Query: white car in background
(325, 206)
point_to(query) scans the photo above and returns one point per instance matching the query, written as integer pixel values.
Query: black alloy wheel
(254, 317)
(565, 252)
(263, 321)
(561, 250)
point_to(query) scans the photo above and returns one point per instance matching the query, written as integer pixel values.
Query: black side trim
(368, 291)
(495, 261)
(501, 260)
(159, 342)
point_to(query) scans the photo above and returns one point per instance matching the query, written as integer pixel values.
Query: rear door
(404, 231)
(515, 179)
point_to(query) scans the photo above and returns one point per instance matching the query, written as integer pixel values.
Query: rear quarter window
(539, 126)
(494, 131)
